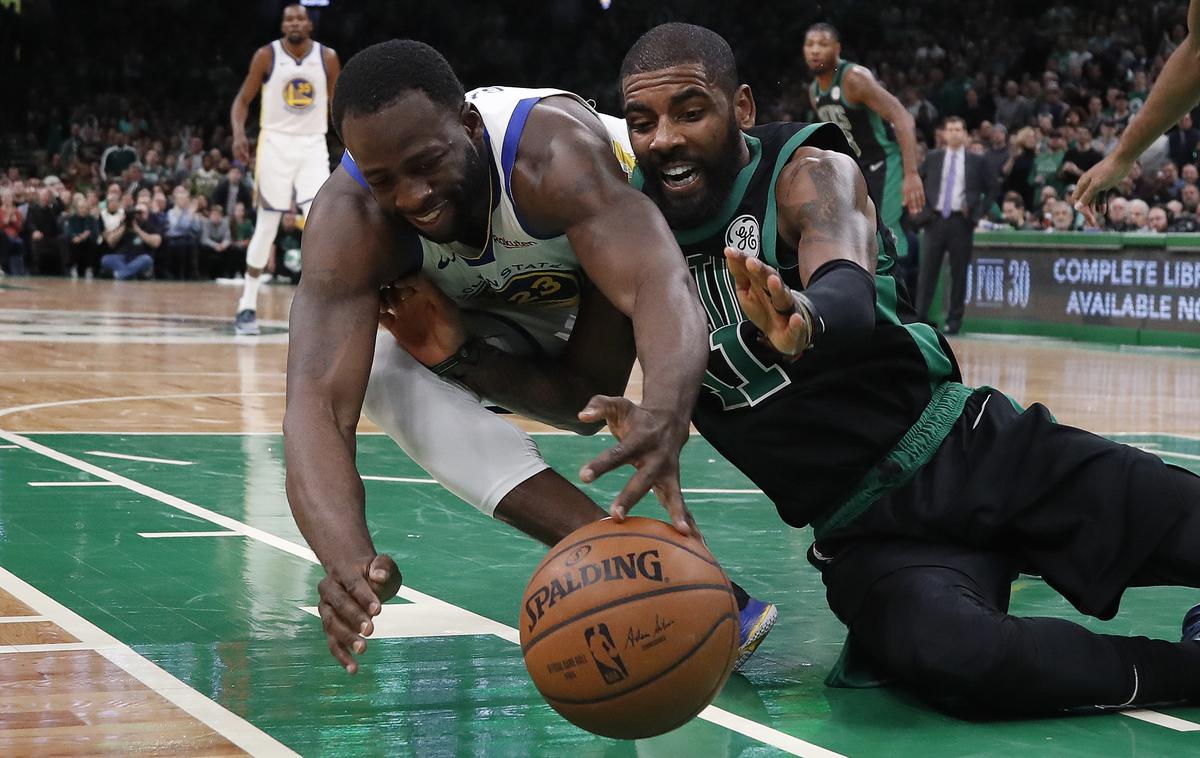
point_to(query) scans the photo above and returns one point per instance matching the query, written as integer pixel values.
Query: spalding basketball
(629, 630)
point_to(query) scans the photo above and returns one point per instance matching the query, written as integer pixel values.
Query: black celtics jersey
(809, 432)
(871, 138)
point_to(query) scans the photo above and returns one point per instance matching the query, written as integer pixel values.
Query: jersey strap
(351, 168)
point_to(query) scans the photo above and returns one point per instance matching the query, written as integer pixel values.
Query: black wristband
(462, 361)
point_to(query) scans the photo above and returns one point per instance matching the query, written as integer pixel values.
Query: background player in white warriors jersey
(296, 75)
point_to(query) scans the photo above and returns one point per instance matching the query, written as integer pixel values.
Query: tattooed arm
(824, 211)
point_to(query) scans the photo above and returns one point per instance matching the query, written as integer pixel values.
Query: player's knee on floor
(935, 632)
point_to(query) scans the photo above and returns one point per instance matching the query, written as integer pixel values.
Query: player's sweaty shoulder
(348, 232)
(555, 120)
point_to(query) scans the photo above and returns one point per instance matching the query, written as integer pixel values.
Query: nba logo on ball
(743, 235)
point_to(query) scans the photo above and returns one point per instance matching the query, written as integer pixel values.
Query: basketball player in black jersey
(927, 497)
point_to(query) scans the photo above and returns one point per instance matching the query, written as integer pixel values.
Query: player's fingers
(633, 491)
(603, 408)
(737, 267)
(781, 296)
(671, 497)
(625, 451)
(339, 638)
(796, 330)
(385, 577)
(758, 272)
(355, 613)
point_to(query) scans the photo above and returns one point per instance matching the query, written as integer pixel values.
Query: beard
(718, 172)
(470, 196)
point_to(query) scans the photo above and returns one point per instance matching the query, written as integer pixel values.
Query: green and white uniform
(874, 144)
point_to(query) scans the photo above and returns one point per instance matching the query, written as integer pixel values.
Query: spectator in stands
(117, 157)
(1013, 212)
(1181, 141)
(133, 244)
(1017, 173)
(1107, 141)
(1139, 216)
(135, 179)
(12, 225)
(231, 190)
(41, 227)
(1052, 104)
(152, 168)
(1167, 183)
(1185, 216)
(286, 254)
(1013, 109)
(1080, 157)
(192, 159)
(182, 236)
(1048, 163)
(215, 240)
(1121, 112)
(1158, 221)
(112, 211)
(995, 158)
(1094, 115)
(1189, 174)
(925, 116)
(202, 182)
(241, 229)
(1118, 214)
(83, 235)
(1062, 217)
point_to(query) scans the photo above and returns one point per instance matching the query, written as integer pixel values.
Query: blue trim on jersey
(351, 168)
(508, 155)
(271, 68)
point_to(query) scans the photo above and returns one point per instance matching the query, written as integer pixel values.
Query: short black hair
(379, 75)
(822, 26)
(676, 44)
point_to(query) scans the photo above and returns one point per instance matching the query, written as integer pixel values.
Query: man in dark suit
(232, 190)
(956, 185)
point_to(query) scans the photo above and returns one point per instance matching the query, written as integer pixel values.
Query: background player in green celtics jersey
(880, 130)
(926, 497)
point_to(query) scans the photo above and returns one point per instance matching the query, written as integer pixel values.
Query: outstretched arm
(332, 334)
(566, 179)
(825, 211)
(862, 87)
(1174, 93)
(597, 359)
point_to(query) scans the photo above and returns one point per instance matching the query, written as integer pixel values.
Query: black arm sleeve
(841, 297)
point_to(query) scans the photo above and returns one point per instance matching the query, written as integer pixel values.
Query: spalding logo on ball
(629, 630)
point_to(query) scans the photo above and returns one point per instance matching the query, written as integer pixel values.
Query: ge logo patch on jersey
(298, 94)
(743, 235)
(836, 93)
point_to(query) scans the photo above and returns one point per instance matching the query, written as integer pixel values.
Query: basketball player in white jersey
(528, 224)
(296, 75)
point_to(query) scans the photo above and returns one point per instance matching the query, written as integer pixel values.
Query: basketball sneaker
(1191, 624)
(246, 323)
(757, 618)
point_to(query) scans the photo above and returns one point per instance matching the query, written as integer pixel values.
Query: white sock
(249, 299)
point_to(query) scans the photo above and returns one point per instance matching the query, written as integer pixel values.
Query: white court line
(719, 716)
(20, 619)
(702, 491)
(1162, 719)
(53, 647)
(160, 535)
(225, 723)
(406, 479)
(72, 484)
(10, 447)
(142, 458)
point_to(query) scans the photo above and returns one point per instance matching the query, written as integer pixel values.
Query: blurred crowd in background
(117, 157)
